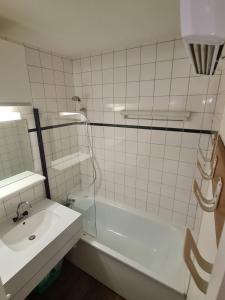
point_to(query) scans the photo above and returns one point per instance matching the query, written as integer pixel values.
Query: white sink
(53, 229)
(30, 230)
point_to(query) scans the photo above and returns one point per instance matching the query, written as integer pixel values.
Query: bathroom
(112, 158)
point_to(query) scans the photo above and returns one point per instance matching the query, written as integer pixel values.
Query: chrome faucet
(22, 210)
(70, 202)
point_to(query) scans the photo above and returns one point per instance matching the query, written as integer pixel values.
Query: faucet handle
(26, 202)
(25, 213)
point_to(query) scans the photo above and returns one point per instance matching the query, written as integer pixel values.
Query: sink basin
(31, 247)
(23, 235)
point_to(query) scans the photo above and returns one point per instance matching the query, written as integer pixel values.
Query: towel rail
(156, 115)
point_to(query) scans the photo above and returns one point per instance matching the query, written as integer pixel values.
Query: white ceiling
(81, 27)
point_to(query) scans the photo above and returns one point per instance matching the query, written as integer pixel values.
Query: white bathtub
(137, 256)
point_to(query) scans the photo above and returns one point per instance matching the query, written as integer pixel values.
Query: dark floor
(74, 284)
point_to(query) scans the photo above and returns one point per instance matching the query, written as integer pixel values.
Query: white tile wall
(51, 82)
(52, 90)
(9, 204)
(151, 170)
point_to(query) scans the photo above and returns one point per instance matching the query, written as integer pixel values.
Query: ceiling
(81, 27)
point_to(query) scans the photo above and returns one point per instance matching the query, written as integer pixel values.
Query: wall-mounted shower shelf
(69, 161)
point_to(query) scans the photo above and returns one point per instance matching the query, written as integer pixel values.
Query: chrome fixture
(76, 98)
(70, 202)
(82, 109)
(22, 210)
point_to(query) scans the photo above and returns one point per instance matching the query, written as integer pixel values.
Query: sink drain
(32, 237)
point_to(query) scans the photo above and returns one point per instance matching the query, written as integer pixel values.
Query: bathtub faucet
(70, 202)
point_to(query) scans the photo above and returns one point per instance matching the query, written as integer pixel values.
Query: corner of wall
(222, 127)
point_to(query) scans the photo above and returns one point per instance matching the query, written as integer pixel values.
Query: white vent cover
(203, 30)
(205, 57)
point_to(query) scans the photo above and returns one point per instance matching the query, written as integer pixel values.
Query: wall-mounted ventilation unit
(203, 30)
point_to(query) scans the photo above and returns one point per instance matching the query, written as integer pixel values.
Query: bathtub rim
(143, 214)
(132, 210)
(86, 238)
(91, 240)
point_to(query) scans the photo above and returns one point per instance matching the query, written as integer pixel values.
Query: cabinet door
(14, 80)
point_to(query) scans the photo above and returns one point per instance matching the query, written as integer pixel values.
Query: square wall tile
(222, 84)
(172, 152)
(198, 85)
(133, 56)
(133, 73)
(163, 69)
(173, 138)
(148, 71)
(35, 74)
(148, 54)
(120, 58)
(96, 77)
(196, 103)
(76, 66)
(107, 76)
(179, 49)
(96, 62)
(86, 78)
(146, 88)
(46, 60)
(132, 89)
(165, 51)
(120, 90)
(179, 86)
(67, 65)
(85, 64)
(213, 84)
(158, 137)
(181, 68)
(107, 60)
(170, 166)
(107, 90)
(58, 64)
(120, 74)
(37, 91)
(48, 76)
(162, 87)
(161, 103)
(96, 92)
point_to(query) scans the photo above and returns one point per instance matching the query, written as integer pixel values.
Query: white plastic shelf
(69, 161)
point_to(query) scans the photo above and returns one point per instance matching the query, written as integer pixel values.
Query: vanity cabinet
(14, 80)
